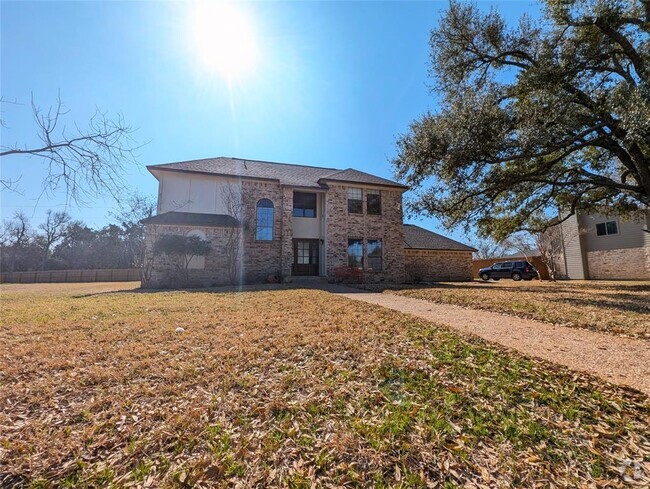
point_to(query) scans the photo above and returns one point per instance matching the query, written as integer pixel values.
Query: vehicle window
(519, 264)
(507, 265)
(496, 266)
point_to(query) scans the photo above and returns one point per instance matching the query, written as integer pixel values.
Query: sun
(223, 39)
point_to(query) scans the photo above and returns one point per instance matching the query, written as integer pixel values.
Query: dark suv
(516, 270)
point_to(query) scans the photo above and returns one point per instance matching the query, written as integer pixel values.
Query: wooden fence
(47, 276)
(536, 261)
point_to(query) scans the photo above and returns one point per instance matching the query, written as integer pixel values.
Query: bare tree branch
(87, 163)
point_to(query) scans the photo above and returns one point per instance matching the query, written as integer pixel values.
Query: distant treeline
(60, 242)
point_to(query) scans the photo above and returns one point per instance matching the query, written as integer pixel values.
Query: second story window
(606, 228)
(373, 202)
(264, 228)
(355, 201)
(304, 204)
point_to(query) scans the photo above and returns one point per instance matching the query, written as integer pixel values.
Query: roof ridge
(280, 163)
(244, 160)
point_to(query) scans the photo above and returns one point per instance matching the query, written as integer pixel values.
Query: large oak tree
(552, 113)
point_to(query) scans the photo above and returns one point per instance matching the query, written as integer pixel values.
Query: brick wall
(434, 265)
(342, 226)
(257, 259)
(623, 264)
(262, 258)
(164, 273)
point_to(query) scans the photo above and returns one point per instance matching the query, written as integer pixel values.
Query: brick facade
(437, 265)
(161, 271)
(623, 264)
(260, 259)
(388, 227)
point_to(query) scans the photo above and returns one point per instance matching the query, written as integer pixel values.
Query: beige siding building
(287, 221)
(606, 248)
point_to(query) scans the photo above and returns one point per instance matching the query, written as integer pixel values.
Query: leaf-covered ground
(289, 388)
(621, 308)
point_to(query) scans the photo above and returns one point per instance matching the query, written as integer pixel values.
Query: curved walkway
(622, 361)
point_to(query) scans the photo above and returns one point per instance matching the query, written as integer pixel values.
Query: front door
(305, 256)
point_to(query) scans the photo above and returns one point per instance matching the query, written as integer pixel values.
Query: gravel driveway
(622, 361)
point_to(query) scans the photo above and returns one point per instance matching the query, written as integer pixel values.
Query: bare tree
(54, 228)
(132, 211)
(85, 162)
(488, 248)
(15, 237)
(549, 244)
(234, 235)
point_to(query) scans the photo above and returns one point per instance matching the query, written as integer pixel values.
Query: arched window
(264, 230)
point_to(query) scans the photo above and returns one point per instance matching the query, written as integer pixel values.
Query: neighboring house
(605, 247)
(293, 220)
(430, 257)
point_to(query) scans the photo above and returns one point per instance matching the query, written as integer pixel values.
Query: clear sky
(325, 84)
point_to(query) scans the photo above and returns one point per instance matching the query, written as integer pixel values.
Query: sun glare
(224, 39)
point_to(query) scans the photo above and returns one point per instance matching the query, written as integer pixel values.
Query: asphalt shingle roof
(422, 239)
(175, 218)
(286, 174)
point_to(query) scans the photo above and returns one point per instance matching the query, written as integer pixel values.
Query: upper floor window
(304, 204)
(373, 202)
(264, 229)
(606, 228)
(355, 201)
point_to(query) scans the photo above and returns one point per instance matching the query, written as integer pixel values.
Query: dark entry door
(305, 257)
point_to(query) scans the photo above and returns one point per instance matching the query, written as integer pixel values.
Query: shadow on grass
(222, 289)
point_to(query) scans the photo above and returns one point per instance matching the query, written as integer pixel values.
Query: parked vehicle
(516, 270)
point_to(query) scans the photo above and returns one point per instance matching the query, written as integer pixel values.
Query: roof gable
(419, 238)
(356, 176)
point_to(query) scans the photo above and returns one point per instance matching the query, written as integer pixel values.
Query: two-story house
(605, 247)
(293, 220)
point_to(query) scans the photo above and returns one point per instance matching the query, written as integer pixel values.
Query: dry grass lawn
(289, 388)
(621, 308)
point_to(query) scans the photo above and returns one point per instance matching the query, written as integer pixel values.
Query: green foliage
(534, 118)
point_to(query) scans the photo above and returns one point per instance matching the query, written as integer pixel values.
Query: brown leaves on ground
(621, 308)
(294, 388)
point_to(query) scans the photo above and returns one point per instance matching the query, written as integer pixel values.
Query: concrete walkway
(622, 361)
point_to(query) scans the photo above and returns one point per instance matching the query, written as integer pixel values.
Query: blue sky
(334, 84)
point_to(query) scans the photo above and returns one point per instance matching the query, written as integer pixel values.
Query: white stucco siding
(174, 192)
(203, 194)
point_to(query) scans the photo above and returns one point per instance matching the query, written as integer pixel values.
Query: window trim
(368, 194)
(607, 233)
(360, 201)
(257, 219)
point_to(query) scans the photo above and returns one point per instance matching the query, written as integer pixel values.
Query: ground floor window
(355, 253)
(374, 250)
(195, 262)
